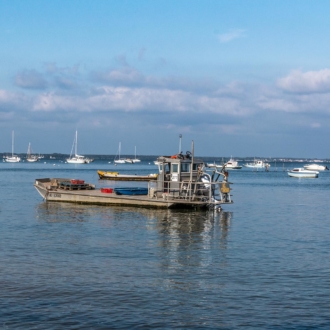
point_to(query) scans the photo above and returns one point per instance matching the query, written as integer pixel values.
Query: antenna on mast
(180, 136)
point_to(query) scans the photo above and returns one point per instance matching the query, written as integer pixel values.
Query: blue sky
(241, 78)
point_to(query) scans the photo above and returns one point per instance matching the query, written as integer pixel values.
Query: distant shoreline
(217, 159)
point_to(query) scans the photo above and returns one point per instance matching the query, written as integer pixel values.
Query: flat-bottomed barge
(181, 182)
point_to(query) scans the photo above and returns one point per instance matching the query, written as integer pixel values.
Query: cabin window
(195, 166)
(185, 167)
(175, 168)
(160, 166)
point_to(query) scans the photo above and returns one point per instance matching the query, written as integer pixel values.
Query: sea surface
(261, 263)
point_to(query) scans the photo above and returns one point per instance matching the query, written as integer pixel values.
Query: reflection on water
(172, 224)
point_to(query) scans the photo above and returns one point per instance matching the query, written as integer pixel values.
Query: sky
(241, 78)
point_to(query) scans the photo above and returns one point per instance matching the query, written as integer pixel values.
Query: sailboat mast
(12, 144)
(75, 150)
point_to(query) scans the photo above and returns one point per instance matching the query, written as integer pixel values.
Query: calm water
(262, 263)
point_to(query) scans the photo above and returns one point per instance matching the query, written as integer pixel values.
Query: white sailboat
(119, 160)
(76, 159)
(132, 161)
(29, 157)
(12, 158)
(136, 160)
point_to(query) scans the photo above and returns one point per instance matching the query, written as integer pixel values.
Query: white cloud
(166, 100)
(306, 82)
(231, 35)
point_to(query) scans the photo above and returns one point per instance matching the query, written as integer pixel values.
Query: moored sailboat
(119, 160)
(76, 159)
(13, 158)
(29, 157)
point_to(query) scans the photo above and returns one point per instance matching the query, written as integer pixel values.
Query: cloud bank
(65, 94)
(306, 82)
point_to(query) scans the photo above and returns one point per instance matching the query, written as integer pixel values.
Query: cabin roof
(171, 159)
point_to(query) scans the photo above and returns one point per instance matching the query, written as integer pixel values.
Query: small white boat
(300, 172)
(232, 165)
(213, 165)
(315, 167)
(257, 164)
(12, 158)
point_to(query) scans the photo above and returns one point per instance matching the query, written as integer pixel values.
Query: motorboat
(13, 158)
(213, 165)
(300, 172)
(315, 167)
(257, 164)
(232, 165)
(180, 183)
(76, 159)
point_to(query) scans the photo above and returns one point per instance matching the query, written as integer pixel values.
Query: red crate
(76, 181)
(107, 190)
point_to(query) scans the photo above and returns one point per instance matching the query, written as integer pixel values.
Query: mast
(180, 136)
(12, 144)
(191, 168)
(75, 150)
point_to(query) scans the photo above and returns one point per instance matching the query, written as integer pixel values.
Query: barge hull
(96, 197)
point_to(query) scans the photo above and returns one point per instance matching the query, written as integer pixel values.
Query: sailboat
(132, 161)
(119, 160)
(135, 160)
(76, 159)
(29, 157)
(12, 158)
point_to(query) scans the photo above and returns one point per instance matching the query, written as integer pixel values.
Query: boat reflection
(167, 222)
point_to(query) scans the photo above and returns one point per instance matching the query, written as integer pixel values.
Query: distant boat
(136, 160)
(316, 167)
(76, 159)
(12, 158)
(300, 172)
(257, 164)
(232, 165)
(119, 160)
(132, 161)
(29, 157)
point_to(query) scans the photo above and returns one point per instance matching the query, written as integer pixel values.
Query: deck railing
(212, 192)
